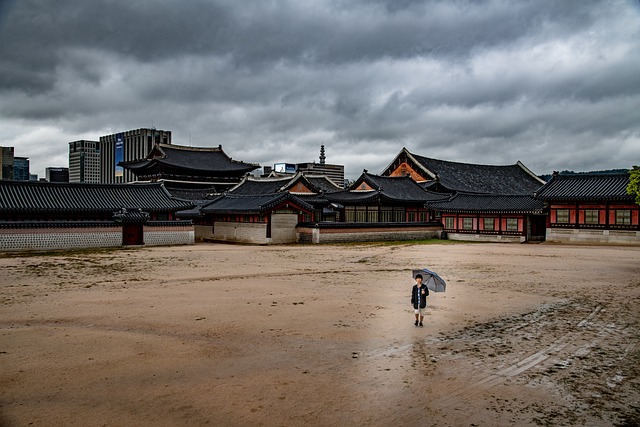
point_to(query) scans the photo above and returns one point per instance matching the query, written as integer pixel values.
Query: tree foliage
(634, 183)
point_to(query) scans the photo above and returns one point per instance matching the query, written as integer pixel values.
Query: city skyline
(555, 85)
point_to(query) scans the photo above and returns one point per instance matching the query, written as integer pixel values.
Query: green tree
(634, 183)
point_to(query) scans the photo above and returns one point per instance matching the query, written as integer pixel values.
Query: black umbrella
(430, 278)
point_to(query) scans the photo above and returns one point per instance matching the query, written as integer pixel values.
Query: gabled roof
(39, 196)
(586, 187)
(369, 187)
(312, 184)
(475, 178)
(253, 204)
(201, 159)
(489, 203)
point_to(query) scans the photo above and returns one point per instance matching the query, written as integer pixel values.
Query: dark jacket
(416, 296)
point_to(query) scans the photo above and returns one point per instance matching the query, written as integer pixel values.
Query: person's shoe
(416, 323)
(421, 324)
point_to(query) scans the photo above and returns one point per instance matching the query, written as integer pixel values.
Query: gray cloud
(554, 84)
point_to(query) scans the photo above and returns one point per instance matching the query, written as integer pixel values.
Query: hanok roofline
(39, 196)
(170, 159)
(447, 176)
(586, 187)
(299, 184)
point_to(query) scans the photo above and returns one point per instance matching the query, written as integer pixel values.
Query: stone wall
(605, 237)
(373, 232)
(49, 236)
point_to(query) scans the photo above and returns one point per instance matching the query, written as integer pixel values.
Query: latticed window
(398, 215)
(350, 214)
(467, 223)
(512, 224)
(623, 217)
(372, 216)
(386, 214)
(449, 223)
(361, 214)
(591, 216)
(562, 216)
(488, 224)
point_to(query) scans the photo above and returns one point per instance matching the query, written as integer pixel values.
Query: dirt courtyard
(321, 335)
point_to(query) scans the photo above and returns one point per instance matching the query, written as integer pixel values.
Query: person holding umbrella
(419, 295)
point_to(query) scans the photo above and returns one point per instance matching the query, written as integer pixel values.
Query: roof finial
(322, 156)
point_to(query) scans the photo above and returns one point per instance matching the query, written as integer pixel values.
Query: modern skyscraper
(21, 168)
(6, 160)
(84, 161)
(127, 146)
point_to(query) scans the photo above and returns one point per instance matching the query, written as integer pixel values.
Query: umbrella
(430, 278)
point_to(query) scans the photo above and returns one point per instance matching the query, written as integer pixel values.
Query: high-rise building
(21, 168)
(6, 160)
(57, 174)
(84, 161)
(124, 147)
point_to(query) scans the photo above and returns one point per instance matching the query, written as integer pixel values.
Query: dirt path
(320, 335)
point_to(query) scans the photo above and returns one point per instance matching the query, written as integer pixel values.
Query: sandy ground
(320, 335)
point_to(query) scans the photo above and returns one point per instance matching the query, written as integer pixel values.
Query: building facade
(21, 169)
(57, 174)
(6, 161)
(591, 208)
(126, 147)
(84, 161)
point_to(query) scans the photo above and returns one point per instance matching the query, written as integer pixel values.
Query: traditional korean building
(185, 167)
(43, 215)
(310, 188)
(487, 217)
(486, 202)
(259, 219)
(590, 208)
(376, 208)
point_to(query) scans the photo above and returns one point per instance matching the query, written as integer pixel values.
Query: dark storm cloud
(478, 81)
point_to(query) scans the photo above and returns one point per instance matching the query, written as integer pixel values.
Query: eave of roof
(586, 187)
(37, 196)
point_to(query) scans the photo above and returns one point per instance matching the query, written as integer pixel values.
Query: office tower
(124, 147)
(6, 160)
(84, 161)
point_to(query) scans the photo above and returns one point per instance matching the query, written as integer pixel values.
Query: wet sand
(320, 335)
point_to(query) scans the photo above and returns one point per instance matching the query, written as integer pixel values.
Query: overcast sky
(554, 84)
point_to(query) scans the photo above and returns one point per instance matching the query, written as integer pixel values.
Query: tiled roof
(474, 178)
(246, 204)
(203, 159)
(489, 203)
(315, 183)
(400, 189)
(254, 186)
(323, 183)
(38, 196)
(586, 187)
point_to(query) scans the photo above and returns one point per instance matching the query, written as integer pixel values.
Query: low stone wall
(240, 232)
(44, 238)
(605, 237)
(469, 237)
(167, 235)
(87, 234)
(340, 232)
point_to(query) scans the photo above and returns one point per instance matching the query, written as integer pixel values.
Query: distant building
(21, 169)
(334, 172)
(181, 167)
(57, 174)
(6, 159)
(126, 147)
(84, 161)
